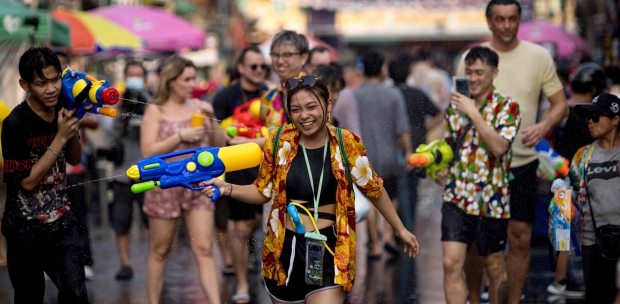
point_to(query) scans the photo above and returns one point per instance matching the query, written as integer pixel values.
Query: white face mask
(134, 83)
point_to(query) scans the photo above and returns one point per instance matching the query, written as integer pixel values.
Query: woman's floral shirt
(271, 182)
(578, 182)
(478, 180)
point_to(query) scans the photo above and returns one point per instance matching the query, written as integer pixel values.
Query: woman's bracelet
(230, 193)
(180, 137)
(53, 151)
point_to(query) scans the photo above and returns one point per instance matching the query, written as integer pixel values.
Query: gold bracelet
(53, 151)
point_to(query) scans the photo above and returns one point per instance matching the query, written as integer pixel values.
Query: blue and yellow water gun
(87, 94)
(203, 164)
(434, 157)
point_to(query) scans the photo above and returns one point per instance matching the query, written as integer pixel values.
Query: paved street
(399, 281)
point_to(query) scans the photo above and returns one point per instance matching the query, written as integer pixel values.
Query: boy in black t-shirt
(38, 138)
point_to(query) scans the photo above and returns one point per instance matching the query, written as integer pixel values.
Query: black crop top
(298, 186)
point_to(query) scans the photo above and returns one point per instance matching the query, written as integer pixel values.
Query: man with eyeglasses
(289, 53)
(253, 70)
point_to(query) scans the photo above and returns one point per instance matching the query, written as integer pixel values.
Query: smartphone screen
(314, 264)
(461, 85)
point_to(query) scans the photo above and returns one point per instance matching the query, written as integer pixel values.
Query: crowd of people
(341, 129)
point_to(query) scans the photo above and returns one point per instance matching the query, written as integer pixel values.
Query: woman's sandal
(241, 298)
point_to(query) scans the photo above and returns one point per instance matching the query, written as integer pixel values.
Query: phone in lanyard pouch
(314, 262)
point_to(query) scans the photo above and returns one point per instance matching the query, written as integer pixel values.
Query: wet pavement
(399, 281)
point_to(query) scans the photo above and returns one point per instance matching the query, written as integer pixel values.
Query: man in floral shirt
(476, 198)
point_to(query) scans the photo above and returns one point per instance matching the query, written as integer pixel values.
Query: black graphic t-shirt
(604, 190)
(224, 103)
(25, 138)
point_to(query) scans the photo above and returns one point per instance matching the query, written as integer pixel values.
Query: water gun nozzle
(110, 96)
(133, 172)
(418, 160)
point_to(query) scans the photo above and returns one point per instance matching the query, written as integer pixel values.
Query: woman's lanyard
(316, 196)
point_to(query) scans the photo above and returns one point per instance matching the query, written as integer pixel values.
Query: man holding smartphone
(475, 211)
(525, 70)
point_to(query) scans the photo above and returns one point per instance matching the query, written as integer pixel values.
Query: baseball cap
(603, 103)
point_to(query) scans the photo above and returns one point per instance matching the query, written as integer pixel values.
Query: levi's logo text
(605, 171)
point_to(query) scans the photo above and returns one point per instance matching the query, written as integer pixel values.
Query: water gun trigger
(216, 193)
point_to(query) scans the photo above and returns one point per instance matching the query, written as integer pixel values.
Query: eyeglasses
(596, 116)
(285, 55)
(305, 81)
(263, 66)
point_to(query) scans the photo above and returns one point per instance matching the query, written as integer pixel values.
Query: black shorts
(489, 234)
(391, 186)
(240, 211)
(523, 192)
(121, 209)
(296, 290)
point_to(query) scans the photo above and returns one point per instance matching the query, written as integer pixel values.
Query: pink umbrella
(566, 44)
(161, 31)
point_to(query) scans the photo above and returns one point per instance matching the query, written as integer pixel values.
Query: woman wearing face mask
(305, 167)
(166, 128)
(594, 173)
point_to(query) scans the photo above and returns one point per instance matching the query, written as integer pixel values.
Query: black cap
(604, 103)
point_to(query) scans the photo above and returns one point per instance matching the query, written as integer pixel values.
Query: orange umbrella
(81, 39)
(90, 33)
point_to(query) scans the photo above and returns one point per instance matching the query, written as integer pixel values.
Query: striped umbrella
(91, 33)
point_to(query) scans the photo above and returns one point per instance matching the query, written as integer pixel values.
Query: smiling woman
(172, 109)
(306, 173)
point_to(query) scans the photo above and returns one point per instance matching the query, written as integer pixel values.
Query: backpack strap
(276, 144)
(343, 153)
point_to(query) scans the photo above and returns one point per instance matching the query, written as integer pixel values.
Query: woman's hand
(411, 243)
(224, 187)
(206, 108)
(191, 135)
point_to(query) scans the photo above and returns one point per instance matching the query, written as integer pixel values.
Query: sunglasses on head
(596, 116)
(305, 81)
(262, 66)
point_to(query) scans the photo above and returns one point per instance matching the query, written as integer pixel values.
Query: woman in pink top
(166, 128)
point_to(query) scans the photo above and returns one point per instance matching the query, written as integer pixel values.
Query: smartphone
(314, 262)
(461, 85)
